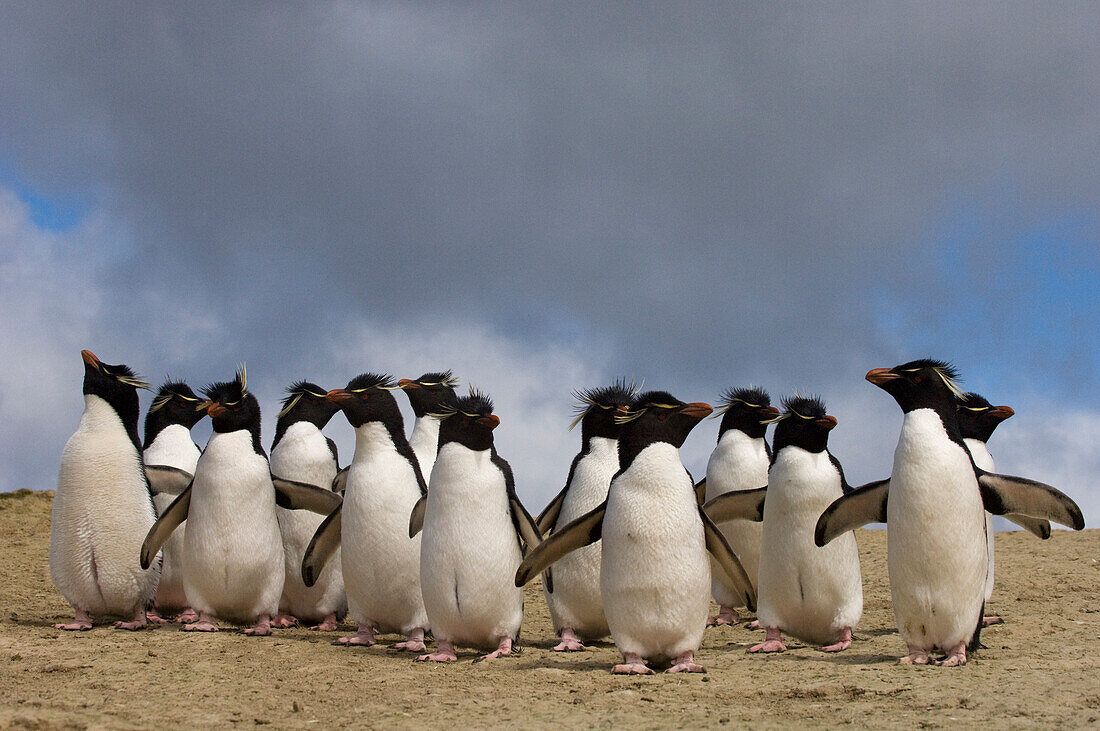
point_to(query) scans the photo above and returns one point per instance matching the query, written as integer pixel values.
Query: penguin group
(425, 536)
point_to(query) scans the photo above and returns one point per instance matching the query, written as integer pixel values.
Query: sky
(544, 197)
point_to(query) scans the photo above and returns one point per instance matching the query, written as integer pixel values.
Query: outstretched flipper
(1040, 528)
(325, 542)
(1003, 494)
(863, 505)
(549, 515)
(701, 491)
(294, 495)
(340, 482)
(165, 480)
(573, 535)
(737, 505)
(727, 559)
(416, 520)
(174, 514)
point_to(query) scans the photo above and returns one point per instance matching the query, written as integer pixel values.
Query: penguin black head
(656, 416)
(596, 409)
(469, 421)
(117, 385)
(429, 393)
(978, 418)
(232, 407)
(920, 384)
(175, 403)
(747, 409)
(304, 401)
(369, 397)
(804, 424)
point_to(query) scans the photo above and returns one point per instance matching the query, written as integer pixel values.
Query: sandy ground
(1039, 668)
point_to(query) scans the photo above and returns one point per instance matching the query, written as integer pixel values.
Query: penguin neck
(947, 417)
(373, 437)
(128, 418)
(254, 431)
(425, 436)
(631, 448)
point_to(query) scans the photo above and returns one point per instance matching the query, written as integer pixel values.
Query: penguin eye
(661, 416)
(917, 379)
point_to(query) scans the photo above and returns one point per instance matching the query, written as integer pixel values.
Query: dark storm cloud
(711, 193)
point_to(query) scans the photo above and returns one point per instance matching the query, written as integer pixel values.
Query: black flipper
(737, 505)
(526, 530)
(727, 559)
(340, 482)
(863, 505)
(1036, 526)
(174, 514)
(573, 535)
(549, 515)
(165, 480)
(416, 519)
(294, 495)
(1004, 494)
(701, 491)
(335, 452)
(325, 542)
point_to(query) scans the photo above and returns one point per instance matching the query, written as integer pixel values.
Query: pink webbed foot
(955, 657)
(262, 628)
(444, 653)
(282, 620)
(916, 656)
(773, 642)
(504, 647)
(569, 642)
(328, 624)
(991, 619)
(363, 637)
(414, 642)
(726, 616)
(205, 623)
(632, 664)
(153, 617)
(187, 616)
(685, 664)
(842, 643)
(138, 622)
(81, 622)
(754, 624)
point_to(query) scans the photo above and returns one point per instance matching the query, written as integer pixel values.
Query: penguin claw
(916, 657)
(686, 667)
(132, 626)
(726, 617)
(74, 626)
(569, 646)
(955, 657)
(632, 668)
(989, 620)
(411, 646)
(843, 643)
(187, 616)
(283, 621)
(152, 617)
(199, 627)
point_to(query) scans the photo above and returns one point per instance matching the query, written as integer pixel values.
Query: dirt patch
(1038, 668)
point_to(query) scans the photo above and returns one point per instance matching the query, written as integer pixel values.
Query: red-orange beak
(767, 413)
(492, 421)
(826, 422)
(405, 384)
(337, 395)
(89, 358)
(698, 409)
(215, 410)
(880, 376)
(1001, 412)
